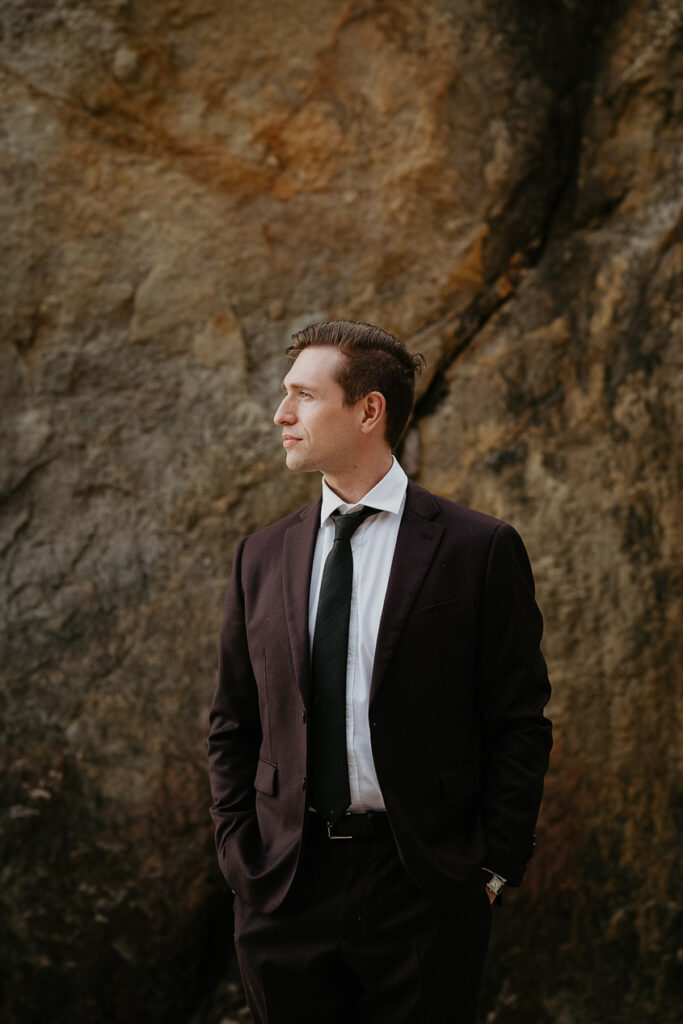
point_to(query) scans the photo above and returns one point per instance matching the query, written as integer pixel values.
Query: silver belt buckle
(330, 836)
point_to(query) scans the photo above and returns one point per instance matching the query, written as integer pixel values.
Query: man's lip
(289, 439)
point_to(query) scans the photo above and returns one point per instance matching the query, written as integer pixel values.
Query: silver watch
(495, 885)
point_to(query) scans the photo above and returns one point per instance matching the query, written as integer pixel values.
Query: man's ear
(374, 411)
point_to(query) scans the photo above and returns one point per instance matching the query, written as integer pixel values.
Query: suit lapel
(416, 544)
(297, 562)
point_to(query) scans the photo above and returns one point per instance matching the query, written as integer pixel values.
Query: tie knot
(346, 523)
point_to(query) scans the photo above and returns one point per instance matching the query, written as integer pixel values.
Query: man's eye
(304, 394)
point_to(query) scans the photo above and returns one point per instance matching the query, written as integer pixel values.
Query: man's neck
(352, 486)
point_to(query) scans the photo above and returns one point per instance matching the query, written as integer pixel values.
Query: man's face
(319, 430)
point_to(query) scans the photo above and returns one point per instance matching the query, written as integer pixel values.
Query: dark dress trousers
(459, 739)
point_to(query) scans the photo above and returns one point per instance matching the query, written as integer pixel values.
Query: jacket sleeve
(514, 690)
(234, 738)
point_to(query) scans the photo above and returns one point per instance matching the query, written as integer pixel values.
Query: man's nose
(284, 413)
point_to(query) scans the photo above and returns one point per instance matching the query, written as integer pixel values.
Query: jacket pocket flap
(462, 781)
(265, 780)
(444, 611)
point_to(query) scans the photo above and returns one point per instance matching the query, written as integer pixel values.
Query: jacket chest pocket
(439, 614)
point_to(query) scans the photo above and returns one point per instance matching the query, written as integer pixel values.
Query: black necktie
(328, 766)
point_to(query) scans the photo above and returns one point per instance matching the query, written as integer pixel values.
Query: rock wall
(183, 185)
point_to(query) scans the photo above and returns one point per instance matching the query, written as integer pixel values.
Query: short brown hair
(374, 360)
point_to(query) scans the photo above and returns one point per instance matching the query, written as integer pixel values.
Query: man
(377, 741)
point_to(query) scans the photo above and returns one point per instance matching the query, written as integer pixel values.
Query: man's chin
(296, 463)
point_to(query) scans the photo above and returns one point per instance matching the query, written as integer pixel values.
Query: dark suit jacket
(459, 739)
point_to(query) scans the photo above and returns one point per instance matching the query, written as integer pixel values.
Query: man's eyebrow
(296, 386)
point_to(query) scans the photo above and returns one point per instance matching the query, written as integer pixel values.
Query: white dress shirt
(372, 546)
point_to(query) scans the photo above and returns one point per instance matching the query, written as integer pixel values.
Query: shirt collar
(387, 495)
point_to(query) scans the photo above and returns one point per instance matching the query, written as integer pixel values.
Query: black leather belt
(373, 825)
